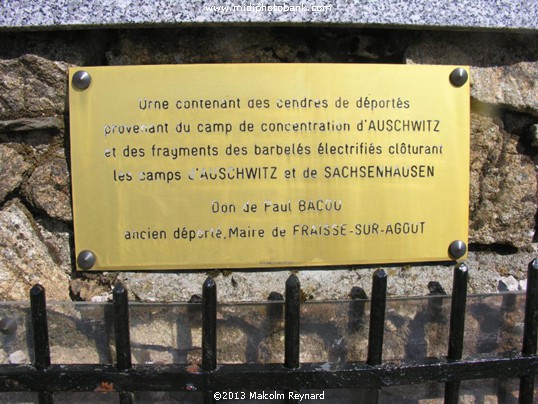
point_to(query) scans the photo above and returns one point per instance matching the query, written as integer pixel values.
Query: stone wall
(36, 236)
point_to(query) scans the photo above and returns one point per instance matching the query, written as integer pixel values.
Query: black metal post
(530, 331)
(377, 318)
(209, 331)
(40, 331)
(292, 326)
(209, 325)
(122, 334)
(457, 327)
(377, 327)
(121, 328)
(38, 305)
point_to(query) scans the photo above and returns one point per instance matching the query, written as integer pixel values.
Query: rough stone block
(25, 260)
(504, 69)
(13, 168)
(32, 87)
(48, 188)
(503, 187)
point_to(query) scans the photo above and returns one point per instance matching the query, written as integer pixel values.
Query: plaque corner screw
(457, 249)
(86, 259)
(459, 77)
(81, 80)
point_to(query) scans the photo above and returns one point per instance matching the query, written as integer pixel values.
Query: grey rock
(503, 187)
(32, 87)
(13, 168)
(57, 236)
(18, 358)
(508, 284)
(31, 124)
(504, 69)
(88, 291)
(514, 86)
(48, 188)
(485, 268)
(25, 260)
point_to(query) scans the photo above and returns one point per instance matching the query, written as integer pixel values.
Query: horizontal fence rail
(292, 375)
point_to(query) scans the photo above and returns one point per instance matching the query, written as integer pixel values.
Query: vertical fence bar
(40, 332)
(38, 305)
(209, 331)
(209, 325)
(530, 331)
(457, 327)
(377, 318)
(122, 334)
(377, 327)
(121, 328)
(292, 326)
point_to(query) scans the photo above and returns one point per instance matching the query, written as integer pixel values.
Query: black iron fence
(290, 376)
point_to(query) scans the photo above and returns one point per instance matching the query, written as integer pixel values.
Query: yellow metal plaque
(264, 165)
